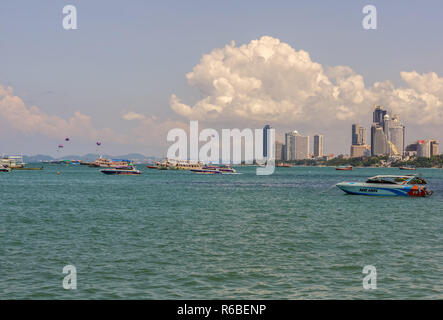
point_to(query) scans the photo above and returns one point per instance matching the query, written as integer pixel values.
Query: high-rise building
(378, 115)
(434, 147)
(355, 134)
(301, 147)
(296, 146)
(318, 145)
(361, 136)
(393, 130)
(378, 141)
(279, 151)
(290, 145)
(265, 140)
(423, 148)
(396, 132)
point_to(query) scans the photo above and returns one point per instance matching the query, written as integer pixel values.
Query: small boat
(28, 168)
(407, 168)
(388, 185)
(348, 167)
(224, 169)
(121, 170)
(284, 165)
(206, 171)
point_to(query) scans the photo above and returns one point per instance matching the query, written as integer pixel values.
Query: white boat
(388, 185)
(174, 164)
(129, 170)
(12, 161)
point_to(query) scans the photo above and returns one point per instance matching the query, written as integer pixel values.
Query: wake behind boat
(388, 185)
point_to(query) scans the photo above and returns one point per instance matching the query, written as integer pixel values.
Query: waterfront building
(301, 147)
(318, 146)
(434, 147)
(358, 151)
(378, 141)
(355, 134)
(361, 136)
(290, 145)
(279, 151)
(423, 148)
(296, 146)
(265, 140)
(395, 132)
(392, 143)
(358, 135)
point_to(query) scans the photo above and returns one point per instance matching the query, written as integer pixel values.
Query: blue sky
(131, 56)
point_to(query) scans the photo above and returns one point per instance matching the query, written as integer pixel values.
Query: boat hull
(206, 171)
(369, 189)
(120, 172)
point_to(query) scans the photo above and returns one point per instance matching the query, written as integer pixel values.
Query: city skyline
(128, 83)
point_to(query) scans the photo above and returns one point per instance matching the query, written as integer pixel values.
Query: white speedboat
(127, 170)
(388, 185)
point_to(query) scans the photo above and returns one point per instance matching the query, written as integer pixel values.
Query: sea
(180, 235)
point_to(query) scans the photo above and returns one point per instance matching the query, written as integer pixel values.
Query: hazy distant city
(387, 138)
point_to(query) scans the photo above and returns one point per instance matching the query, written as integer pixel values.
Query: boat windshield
(396, 180)
(381, 181)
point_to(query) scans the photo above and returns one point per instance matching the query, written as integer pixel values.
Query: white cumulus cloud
(267, 80)
(31, 120)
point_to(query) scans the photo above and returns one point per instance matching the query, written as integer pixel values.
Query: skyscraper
(378, 141)
(318, 145)
(361, 136)
(396, 136)
(434, 147)
(393, 131)
(378, 115)
(359, 147)
(278, 150)
(423, 148)
(296, 146)
(290, 145)
(265, 140)
(355, 134)
(301, 147)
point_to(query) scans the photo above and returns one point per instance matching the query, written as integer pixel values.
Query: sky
(134, 70)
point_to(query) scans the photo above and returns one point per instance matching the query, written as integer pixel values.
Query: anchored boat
(12, 162)
(407, 168)
(388, 185)
(347, 167)
(122, 170)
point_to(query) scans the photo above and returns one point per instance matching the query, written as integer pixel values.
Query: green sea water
(179, 235)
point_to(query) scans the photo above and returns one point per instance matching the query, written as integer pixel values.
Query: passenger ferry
(12, 161)
(172, 164)
(110, 163)
(388, 185)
